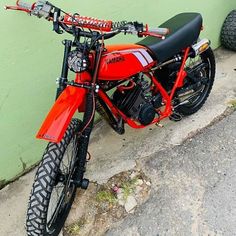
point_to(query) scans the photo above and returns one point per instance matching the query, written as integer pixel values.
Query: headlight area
(78, 61)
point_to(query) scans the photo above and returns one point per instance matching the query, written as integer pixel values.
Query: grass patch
(232, 103)
(106, 196)
(75, 228)
(128, 187)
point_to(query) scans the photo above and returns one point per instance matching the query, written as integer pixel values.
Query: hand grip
(160, 31)
(24, 5)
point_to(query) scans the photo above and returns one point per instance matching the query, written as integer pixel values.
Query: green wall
(30, 59)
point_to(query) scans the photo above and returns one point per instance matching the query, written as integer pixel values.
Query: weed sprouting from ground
(232, 103)
(106, 196)
(128, 187)
(108, 203)
(76, 227)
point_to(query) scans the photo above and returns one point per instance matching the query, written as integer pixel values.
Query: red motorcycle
(169, 73)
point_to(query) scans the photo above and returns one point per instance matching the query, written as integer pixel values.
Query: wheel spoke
(198, 84)
(62, 191)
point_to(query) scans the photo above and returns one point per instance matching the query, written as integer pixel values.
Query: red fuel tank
(123, 61)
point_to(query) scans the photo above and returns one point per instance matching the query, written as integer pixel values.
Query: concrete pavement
(194, 188)
(112, 153)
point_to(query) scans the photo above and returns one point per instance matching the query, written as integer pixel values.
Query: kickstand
(176, 117)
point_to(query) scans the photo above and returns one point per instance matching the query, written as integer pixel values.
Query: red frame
(73, 98)
(166, 97)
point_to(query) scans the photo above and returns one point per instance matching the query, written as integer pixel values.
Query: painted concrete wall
(30, 59)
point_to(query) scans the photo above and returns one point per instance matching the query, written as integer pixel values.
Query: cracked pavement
(193, 187)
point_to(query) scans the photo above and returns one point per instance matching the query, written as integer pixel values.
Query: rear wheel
(53, 191)
(203, 68)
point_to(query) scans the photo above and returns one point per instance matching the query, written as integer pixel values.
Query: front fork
(64, 72)
(88, 119)
(83, 142)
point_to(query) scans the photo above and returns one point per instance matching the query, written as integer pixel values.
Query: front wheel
(53, 191)
(203, 67)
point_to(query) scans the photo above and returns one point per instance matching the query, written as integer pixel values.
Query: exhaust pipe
(201, 47)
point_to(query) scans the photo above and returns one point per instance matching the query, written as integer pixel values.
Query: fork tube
(84, 138)
(64, 72)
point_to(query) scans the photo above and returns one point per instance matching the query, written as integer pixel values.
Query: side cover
(59, 117)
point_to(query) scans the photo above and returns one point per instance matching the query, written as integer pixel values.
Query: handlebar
(43, 8)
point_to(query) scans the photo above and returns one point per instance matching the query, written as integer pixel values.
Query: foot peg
(84, 183)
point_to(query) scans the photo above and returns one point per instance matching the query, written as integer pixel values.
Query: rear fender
(60, 115)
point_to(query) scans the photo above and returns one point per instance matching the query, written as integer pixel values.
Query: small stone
(138, 189)
(133, 175)
(118, 214)
(139, 182)
(148, 183)
(120, 196)
(130, 204)
(119, 191)
(115, 189)
(121, 202)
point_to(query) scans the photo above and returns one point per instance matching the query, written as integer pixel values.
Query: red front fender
(59, 117)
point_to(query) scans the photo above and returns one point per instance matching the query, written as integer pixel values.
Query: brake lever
(134, 28)
(138, 26)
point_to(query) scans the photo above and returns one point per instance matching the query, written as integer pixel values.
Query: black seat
(184, 31)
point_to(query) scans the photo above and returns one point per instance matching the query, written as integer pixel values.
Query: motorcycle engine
(138, 102)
